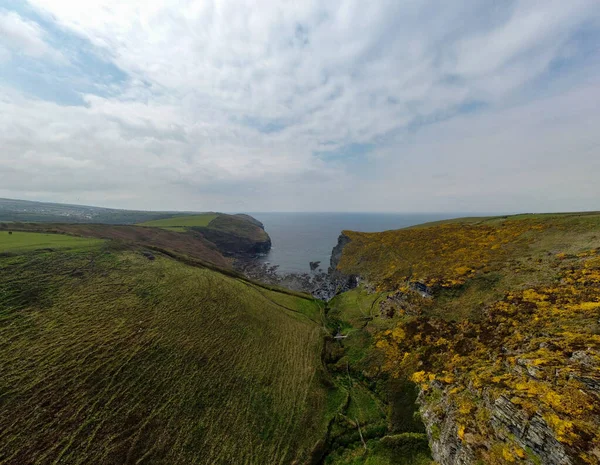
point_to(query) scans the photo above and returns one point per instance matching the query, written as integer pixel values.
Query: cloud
(538, 156)
(294, 106)
(21, 36)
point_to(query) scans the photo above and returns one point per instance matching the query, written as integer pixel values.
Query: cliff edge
(236, 235)
(504, 347)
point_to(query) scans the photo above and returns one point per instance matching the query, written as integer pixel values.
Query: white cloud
(25, 37)
(4, 54)
(540, 156)
(229, 100)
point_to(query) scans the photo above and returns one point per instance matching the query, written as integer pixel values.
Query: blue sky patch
(266, 126)
(86, 72)
(352, 152)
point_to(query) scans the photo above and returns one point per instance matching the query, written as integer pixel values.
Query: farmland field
(182, 222)
(24, 241)
(108, 357)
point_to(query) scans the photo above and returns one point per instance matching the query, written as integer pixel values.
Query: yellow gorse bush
(539, 347)
(445, 255)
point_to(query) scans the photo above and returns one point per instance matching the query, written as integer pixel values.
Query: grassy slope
(472, 261)
(47, 212)
(25, 241)
(108, 357)
(383, 407)
(238, 225)
(231, 234)
(512, 296)
(234, 234)
(241, 225)
(182, 221)
(190, 244)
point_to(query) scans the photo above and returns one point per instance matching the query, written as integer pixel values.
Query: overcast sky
(399, 105)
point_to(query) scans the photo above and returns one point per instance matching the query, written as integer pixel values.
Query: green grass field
(384, 408)
(108, 357)
(179, 223)
(26, 241)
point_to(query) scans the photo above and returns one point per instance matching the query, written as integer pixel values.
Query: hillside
(223, 237)
(28, 211)
(189, 244)
(239, 235)
(234, 235)
(469, 341)
(496, 320)
(181, 223)
(113, 355)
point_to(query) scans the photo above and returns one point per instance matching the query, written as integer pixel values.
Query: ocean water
(299, 238)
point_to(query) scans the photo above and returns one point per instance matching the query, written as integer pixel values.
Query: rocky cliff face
(321, 285)
(334, 281)
(498, 325)
(336, 253)
(237, 235)
(530, 432)
(506, 422)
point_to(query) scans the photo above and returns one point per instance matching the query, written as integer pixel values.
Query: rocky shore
(323, 285)
(320, 284)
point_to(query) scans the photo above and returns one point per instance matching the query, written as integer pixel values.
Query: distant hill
(27, 211)
(234, 235)
(209, 236)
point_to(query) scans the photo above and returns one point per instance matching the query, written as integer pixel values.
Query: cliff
(505, 345)
(222, 237)
(236, 235)
(336, 253)
(233, 235)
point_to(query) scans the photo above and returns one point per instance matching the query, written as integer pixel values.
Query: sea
(300, 238)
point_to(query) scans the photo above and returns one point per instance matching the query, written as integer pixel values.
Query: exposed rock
(533, 432)
(532, 370)
(236, 235)
(323, 286)
(593, 384)
(422, 289)
(336, 253)
(442, 431)
(333, 284)
(583, 356)
(148, 255)
(314, 265)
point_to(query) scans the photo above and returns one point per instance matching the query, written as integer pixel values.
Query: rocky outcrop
(235, 245)
(442, 430)
(505, 354)
(333, 283)
(336, 253)
(507, 422)
(236, 235)
(533, 433)
(314, 265)
(321, 285)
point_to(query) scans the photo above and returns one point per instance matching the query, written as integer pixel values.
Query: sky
(236, 105)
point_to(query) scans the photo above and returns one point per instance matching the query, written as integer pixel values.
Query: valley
(467, 341)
